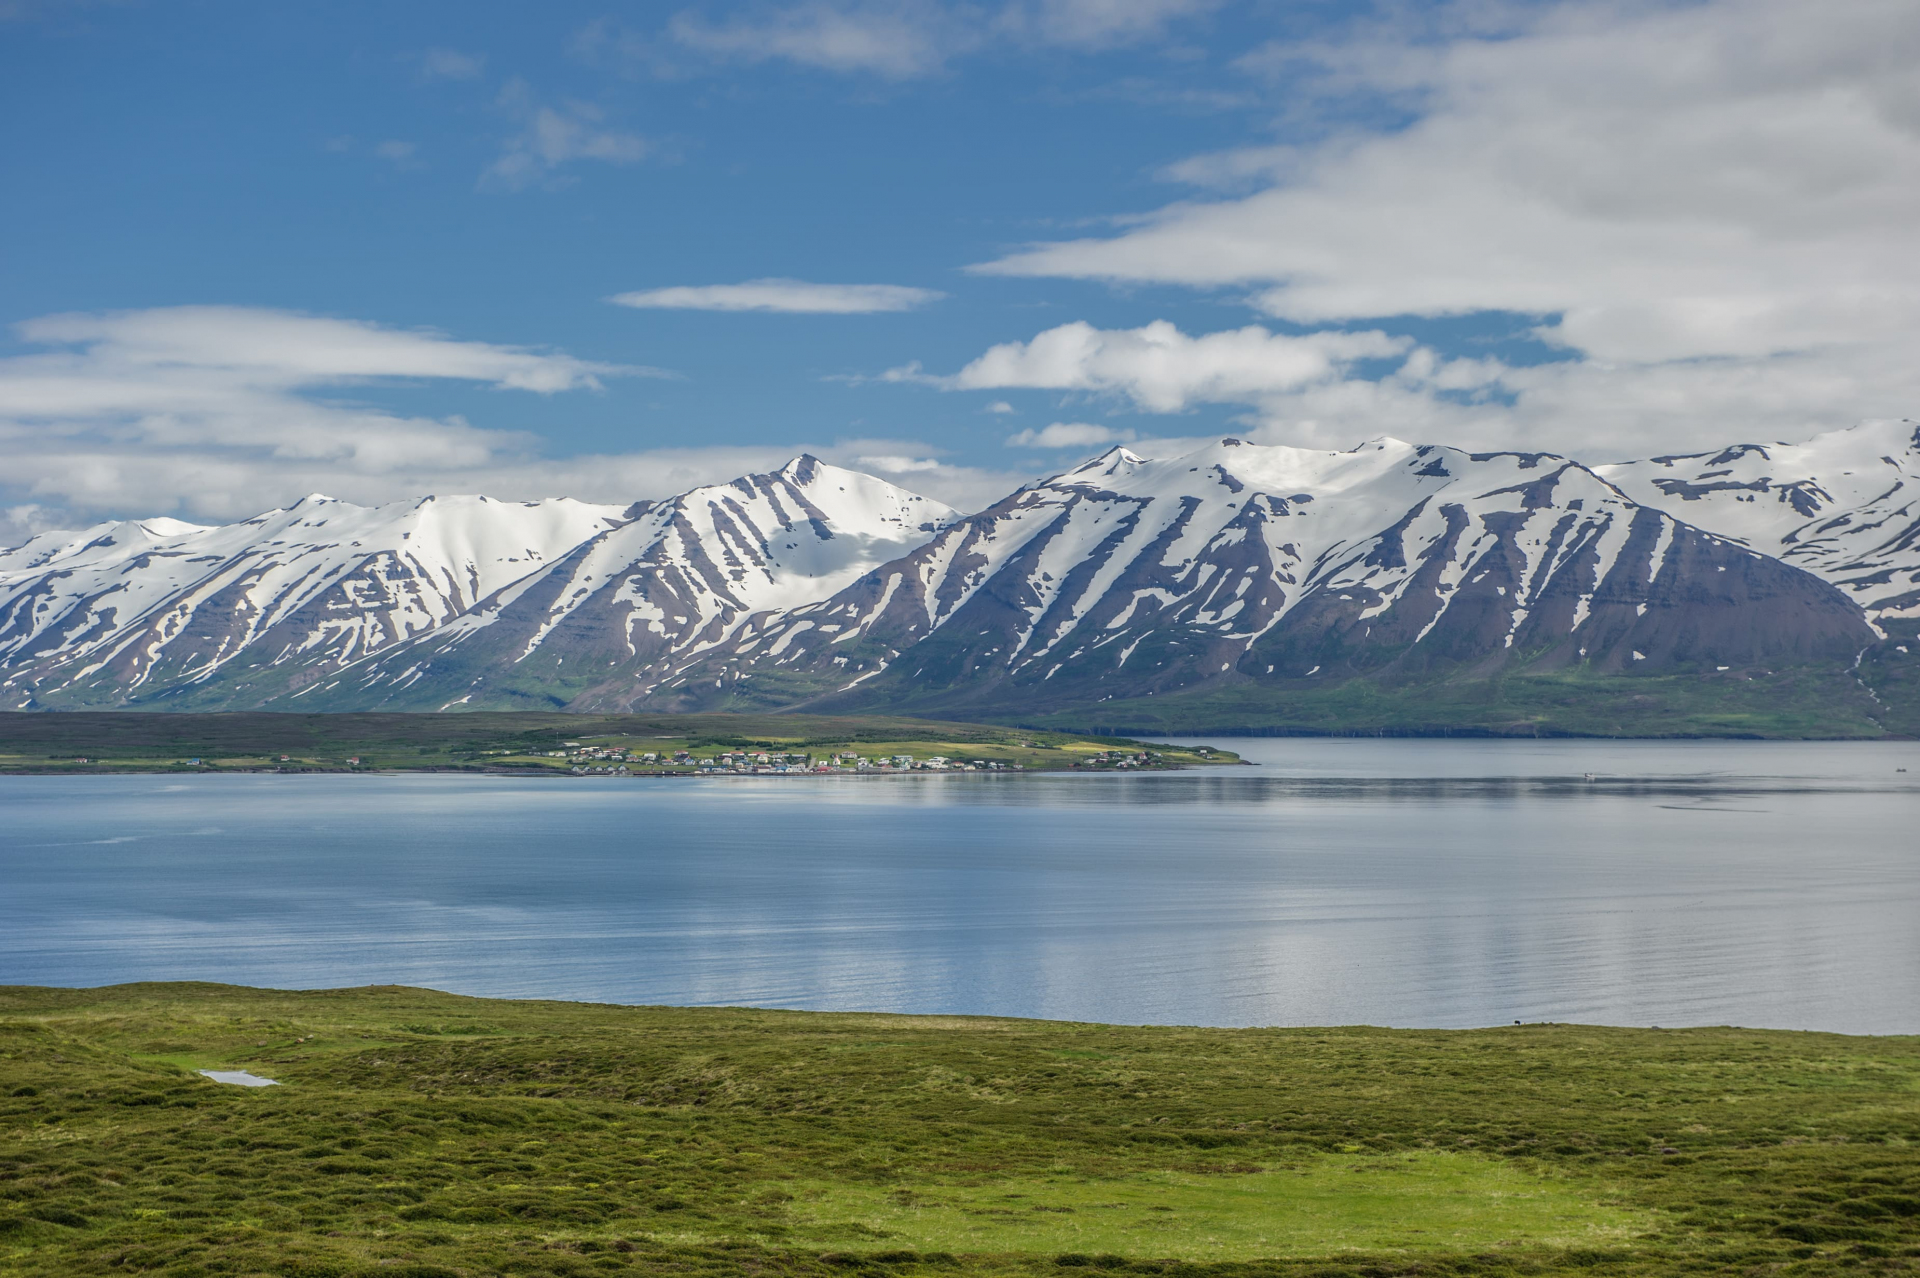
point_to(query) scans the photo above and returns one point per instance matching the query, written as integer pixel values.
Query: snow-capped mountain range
(1124, 577)
(126, 610)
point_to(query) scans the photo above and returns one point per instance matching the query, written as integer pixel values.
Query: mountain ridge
(1263, 564)
(1844, 505)
(1259, 572)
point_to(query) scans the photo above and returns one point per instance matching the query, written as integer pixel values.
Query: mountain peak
(167, 526)
(802, 469)
(1117, 460)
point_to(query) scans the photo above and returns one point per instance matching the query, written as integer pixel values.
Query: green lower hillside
(415, 1133)
(1792, 704)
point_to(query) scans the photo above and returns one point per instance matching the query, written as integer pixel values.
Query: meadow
(425, 1134)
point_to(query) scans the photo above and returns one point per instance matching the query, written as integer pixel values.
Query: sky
(250, 251)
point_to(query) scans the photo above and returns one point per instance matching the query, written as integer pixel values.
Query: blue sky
(1608, 229)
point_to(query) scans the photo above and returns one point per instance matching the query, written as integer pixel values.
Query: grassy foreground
(420, 1134)
(523, 742)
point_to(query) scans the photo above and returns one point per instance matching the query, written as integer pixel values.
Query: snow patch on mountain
(1844, 505)
(132, 601)
(684, 574)
(1128, 575)
(1123, 576)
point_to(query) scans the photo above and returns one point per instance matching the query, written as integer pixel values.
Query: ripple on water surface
(1433, 883)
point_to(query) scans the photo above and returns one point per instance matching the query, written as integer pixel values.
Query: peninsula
(537, 744)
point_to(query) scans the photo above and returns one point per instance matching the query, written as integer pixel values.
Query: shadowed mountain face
(1241, 563)
(682, 579)
(1844, 506)
(1237, 571)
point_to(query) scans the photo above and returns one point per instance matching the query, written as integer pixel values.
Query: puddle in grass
(238, 1077)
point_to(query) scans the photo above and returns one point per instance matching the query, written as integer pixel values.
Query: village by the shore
(617, 761)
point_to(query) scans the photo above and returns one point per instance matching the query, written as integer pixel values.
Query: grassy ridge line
(1878, 698)
(425, 1134)
(1793, 704)
(487, 741)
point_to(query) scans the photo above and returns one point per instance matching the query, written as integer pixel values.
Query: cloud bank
(1708, 206)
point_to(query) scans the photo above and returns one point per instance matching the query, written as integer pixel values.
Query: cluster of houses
(1121, 759)
(843, 761)
(618, 761)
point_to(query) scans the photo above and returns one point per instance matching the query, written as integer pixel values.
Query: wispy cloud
(892, 39)
(550, 137)
(795, 297)
(217, 413)
(201, 406)
(451, 64)
(1069, 435)
(1095, 24)
(399, 154)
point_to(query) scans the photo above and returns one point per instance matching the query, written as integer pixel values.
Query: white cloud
(782, 295)
(897, 463)
(263, 348)
(29, 519)
(1069, 435)
(552, 136)
(1095, 24)
(1162, 369)
(1000, 408)
(217, 413)
(895, 40)
(82, 486)
(451, 64)
(1710, 205)
(209, 408)
(400, 154)
(921, 467)
(1307, 390)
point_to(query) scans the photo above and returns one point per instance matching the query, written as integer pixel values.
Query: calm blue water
(1403, 883)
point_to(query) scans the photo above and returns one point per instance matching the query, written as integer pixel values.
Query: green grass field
(417, 1134)
(90, 743)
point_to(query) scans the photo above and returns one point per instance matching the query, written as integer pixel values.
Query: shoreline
(648, 775)
(194, 988)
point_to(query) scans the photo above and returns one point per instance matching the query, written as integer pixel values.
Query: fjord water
(1414, 883)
